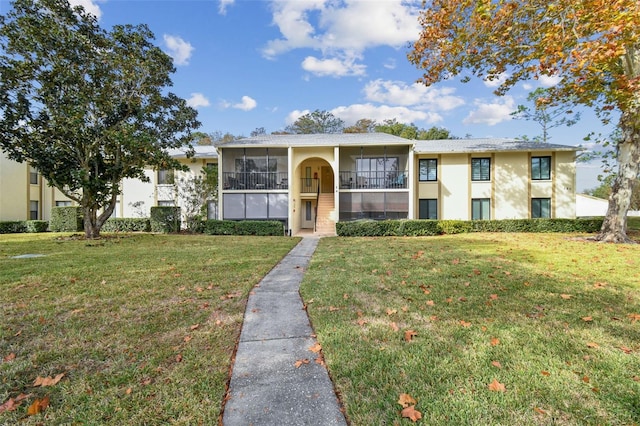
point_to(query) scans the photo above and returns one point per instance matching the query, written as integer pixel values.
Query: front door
(327, 180)
(308, 214)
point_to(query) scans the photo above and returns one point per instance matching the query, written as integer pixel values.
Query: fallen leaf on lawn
(599, 285)
(626, 350)
(636, 378)
(465, 324)
(496, 364)
(38, 406)
(587, 319)
(333, 309)
(592, 345)
(345, 296)
(430, 303)
(9, 405)
(362, 322)
(586, 379)
(455, 261)
(179, 358)
(418, 255)
(495, 341)
(424, 289)
(634, 317)
(493, 297)
(405, 400)
(394, 326)
(48, 381)
(539, 410)
(411, 413)
(545, 373)
(195, 326)
(409, 335)
(496, 386)
(449, 299)
(299, 362)
(315, 348)
(391, 311)
(433, 318)
(128, 391)
(320, 360)
(565, 296)
(187, 338)
(9, 357)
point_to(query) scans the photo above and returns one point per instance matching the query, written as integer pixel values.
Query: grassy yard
(552, 321)
(138, 329)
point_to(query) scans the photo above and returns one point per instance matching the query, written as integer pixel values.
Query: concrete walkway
(266, 386)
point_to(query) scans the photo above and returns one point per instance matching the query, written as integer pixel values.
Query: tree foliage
(364, 125)
(87, 107)
(593, 46)
(545, 114)
(316, 122)
(195, 192)
(411, 131)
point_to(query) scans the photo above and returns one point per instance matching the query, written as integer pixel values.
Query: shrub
(243, 227)
(165, 219)
(127, 224)
(369, 228)
(12, 227)
(35, 226)
(66, 219)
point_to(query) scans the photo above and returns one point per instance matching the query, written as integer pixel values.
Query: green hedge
(243, 227)
(12, 227)
(165, 219)
(22, 226)
(66, 219)
(127, 224)
(414, 228)
(36, 226)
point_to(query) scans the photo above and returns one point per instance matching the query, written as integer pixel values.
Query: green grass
(142, 326)
(524, 309)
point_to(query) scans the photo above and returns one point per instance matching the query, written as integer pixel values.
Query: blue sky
(245, 64)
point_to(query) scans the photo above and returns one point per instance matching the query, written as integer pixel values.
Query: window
(33, 210)
(63, 203)
(480, 209)
(428, 170)
(541, 207)
(33, 176)
(378, 172)
(481, 169)
(428, 209)
(165, 203)
(165, 177)
(540, 168)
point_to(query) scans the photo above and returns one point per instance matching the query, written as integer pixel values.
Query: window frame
(477, 162)
(429, 168)
(540, 175)
(33, 176)
(428, 202)
(34, 209)
(480, 202)
(166, 177)
(536, 213)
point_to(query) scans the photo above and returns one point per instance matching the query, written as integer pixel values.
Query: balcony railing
(309, 185)
(255, 180)
(373, 180)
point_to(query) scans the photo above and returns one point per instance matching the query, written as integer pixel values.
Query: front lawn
(480, 329)
(138, 329)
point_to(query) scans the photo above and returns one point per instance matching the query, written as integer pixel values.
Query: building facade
(313, 181)
(310, 182)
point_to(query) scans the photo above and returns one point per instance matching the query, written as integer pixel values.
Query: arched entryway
(315, 191)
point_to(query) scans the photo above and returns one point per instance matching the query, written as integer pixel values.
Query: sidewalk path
(266, 387)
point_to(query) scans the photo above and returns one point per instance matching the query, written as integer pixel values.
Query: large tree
(316, 122)
(593, 46)
(85, 106)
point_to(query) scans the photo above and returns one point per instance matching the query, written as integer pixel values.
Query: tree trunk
(91, 228)
(614, 227)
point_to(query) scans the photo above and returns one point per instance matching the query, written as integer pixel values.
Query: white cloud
(294, 115)
(390, 64)
(352, 113)
(333, 67)
(198, 100)
(341, 29)
(247, 104)
(222, 8)
(549, 80)
(419, 95)
(496, 80)
(491, 113)
(91, 6)
(179, 49)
